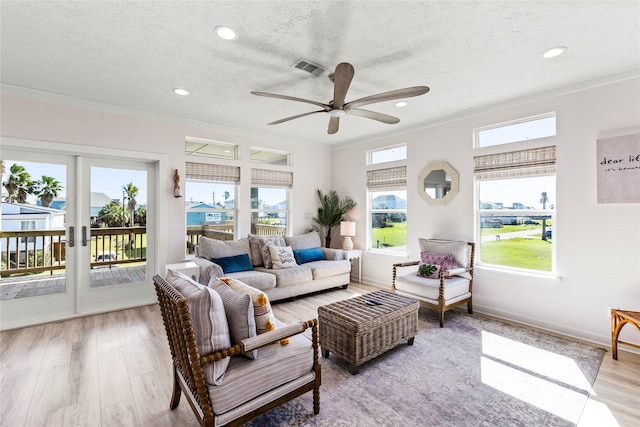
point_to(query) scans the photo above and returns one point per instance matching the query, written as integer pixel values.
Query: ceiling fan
(338, 107)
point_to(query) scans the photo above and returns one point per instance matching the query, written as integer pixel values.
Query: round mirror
(438, 183)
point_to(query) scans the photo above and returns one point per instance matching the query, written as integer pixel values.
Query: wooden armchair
(188, 366)
(451, 288)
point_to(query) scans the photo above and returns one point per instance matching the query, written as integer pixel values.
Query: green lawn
(534, 254)
(510, 228)
(395, 234)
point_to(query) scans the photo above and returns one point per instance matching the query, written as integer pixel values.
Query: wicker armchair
(450, 289)
(188, 366)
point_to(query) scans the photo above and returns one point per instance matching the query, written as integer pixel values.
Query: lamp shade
(347, 228)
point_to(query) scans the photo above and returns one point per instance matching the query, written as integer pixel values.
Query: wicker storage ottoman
(361, 328)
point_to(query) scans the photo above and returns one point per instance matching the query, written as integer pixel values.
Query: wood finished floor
(114, 370)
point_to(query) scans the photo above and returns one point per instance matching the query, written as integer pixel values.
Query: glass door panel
(37, 236)
(118, 219)
(33, 241)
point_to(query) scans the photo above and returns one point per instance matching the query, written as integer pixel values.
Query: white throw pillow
(282, 257)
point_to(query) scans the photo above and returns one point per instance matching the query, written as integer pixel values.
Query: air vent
(308, 66)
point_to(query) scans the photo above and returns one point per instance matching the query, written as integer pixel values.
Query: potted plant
(331, 211)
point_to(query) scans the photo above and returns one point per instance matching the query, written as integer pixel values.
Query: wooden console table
(619, 318)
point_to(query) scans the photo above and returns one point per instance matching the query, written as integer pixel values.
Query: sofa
(281, 267)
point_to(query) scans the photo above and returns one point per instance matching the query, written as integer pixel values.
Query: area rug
(475, 371)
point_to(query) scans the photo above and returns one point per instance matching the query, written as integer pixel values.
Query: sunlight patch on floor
(546, 395)
(547, 380)
(546, 363)
(597, 414)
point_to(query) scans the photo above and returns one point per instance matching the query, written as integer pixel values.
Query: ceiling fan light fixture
(336, 113)
(225, 32)
(181, 92)
(554, 51)
(401, 104)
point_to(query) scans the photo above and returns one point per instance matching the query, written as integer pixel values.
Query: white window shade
(212, 173)
(534, 161)
(387, 179)
(271, 178)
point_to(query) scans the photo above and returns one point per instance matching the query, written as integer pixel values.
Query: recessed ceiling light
(226, 33)
(555, 51)
(182, 92)
(402, 104)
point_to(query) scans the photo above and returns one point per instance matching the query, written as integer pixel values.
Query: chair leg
(316, 399)
(442, 318)
(177, 392)
(469, 307)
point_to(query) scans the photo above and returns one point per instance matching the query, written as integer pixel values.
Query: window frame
(530, 119)
(370, 154)
(512, 173)
(395, 186)
(258, 210)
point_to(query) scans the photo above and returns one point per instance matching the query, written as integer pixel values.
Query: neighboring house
(197, 214)
(22, 217)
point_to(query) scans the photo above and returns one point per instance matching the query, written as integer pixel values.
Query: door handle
(84, 235)
(72, 236)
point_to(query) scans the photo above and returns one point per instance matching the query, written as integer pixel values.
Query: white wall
(104, 126)
(598, 245)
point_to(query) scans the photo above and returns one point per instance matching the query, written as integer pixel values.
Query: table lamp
(347, 230)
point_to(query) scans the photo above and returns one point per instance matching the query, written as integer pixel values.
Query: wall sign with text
(619, 169)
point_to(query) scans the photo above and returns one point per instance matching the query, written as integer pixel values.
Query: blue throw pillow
(233, 264)
(307, 255)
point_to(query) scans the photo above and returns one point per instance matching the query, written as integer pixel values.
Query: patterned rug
(473, 372)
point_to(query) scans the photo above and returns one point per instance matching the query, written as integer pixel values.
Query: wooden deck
(48, 284)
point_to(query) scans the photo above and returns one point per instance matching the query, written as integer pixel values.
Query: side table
(619, 318)
(350, 256)
(188, 268)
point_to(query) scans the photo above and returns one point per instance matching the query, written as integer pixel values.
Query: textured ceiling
(470, 54)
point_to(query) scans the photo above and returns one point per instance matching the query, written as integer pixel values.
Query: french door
(77, 234)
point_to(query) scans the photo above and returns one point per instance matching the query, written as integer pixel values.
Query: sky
(103, 180)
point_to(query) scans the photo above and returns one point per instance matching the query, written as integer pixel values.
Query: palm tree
(226, 196)
(19, 184)
(131, 192)
(48, 189)
(331, 211)
(544, 200)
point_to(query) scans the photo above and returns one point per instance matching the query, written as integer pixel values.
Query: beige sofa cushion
(304, 241)
(212, 248)
(324, 268)
(290, 276)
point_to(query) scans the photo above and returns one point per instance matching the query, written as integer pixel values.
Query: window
(387, 154)
(387, 204)
(520, 130)
(516, 209)
(208, 148)
(210, 202)
(27, 226)
(270, 201)
(270, 157)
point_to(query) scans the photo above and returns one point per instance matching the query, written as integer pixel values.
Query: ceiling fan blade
(384, 118)
(286, 119)
(326, 107)
(407, 92)
(334, 124)
(341, 81)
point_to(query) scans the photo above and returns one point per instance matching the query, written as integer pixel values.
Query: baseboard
(554, 328)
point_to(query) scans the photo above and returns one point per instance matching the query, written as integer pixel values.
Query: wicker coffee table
(361, 328)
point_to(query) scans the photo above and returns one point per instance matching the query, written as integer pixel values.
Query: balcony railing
(38, 251)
